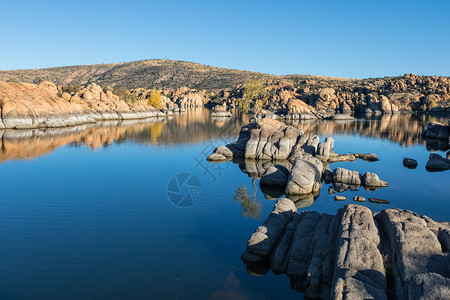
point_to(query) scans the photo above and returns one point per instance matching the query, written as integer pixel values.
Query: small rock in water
(376, 200)
(216, 157)
(366, 156)
(410, 163)
(359, 199)
(331, 190)
(339, 198)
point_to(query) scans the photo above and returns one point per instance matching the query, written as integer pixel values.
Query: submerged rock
(410, 163)
(377, 200)
(437, 163)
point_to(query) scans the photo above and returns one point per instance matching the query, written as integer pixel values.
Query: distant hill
(152, 73)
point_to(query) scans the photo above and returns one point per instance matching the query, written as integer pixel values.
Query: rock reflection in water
(194, 126)
(255, 169)
(405, 129)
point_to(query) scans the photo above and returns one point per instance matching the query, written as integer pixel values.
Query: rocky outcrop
(269, 139)
(261, 243)
(25, 105)
(355, 254)
(275, 176)
(413, 249)
(369, 179)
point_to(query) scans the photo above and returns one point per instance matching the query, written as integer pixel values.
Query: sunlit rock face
(355, 254)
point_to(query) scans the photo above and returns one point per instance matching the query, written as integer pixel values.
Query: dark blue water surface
(85, 211)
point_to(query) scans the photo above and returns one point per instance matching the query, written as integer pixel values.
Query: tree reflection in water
(251, 206)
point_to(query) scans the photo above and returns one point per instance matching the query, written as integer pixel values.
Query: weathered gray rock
(266, 236)
(429, 286)
(346, 176)
(216, 157)
(339, 257)
(301, 244)
(271, 139)
(305, 177)
(437, 163)
(280, 258)
(359, 271)
(341, 157)
(379, 201)
(319, 251)
(410, 163)
(414, 248)
(366, 156)
(225, 151)
(371, 180)
(276, 176)
(324, 149)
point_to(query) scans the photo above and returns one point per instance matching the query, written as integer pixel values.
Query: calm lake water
(93, 212)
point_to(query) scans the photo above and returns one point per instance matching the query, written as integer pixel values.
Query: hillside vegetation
(154, 73)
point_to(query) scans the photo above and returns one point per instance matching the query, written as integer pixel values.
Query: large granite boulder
(305, 176)
(346, 176)
(414, 249)
(372, 180)
(359, 271)
(266, 236)
(271, 139)
(275, 176)
(357, 254)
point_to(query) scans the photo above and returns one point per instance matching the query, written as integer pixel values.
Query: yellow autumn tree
(154, 99)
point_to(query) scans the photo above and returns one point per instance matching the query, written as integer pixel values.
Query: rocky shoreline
(355, 254)
(298, 163)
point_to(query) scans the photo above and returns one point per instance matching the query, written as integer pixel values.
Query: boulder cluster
(305, 159)
(26, 105)
(355, 254)
(322, 96)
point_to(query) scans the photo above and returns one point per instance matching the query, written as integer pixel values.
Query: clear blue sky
(337, 38)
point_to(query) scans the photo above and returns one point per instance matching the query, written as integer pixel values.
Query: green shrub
(124, 94)
(254, 93)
